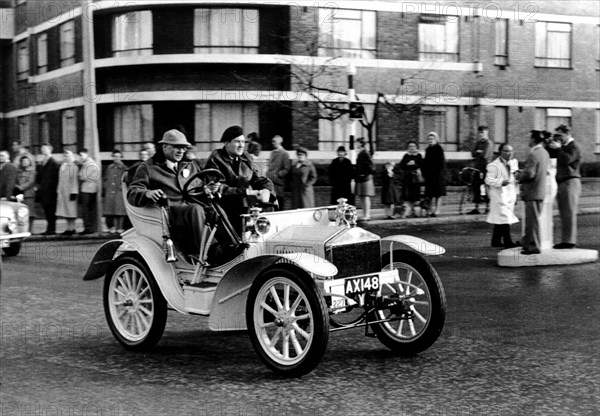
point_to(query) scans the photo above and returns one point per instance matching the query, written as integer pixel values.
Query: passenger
(164, 175)
(242, 176)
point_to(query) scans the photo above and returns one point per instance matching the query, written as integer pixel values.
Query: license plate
(361, 284)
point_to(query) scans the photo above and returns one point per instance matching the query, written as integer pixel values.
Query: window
(500, 123)
(43, 128)
(67, 43)
(132, 34)
(226, 31)
(212, 119)
(69, 130)
(335, 133)
(550, 118)
(42, 53)
(348, 33)
(133, 125)
(22, 60)
(501, 42)
(553, 44)
(443, 121)
(438, 38)
(24, 130)
(597, 149)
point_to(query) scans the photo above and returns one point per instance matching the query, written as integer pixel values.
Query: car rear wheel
(12, 250)
(416, 306)
(134, 306)
(287, 321)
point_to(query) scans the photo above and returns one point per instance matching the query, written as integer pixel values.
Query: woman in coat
(114, 208)
(434, 173)
(303, 175)
(26, 183)
(390, 194)
(68, 190)
(411, 164)
(500, 179)
(341, 173)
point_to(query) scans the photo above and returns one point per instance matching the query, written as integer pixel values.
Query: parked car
(303, 274)
(14, 225)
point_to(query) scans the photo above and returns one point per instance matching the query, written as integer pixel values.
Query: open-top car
(14, 225)
(304, 273)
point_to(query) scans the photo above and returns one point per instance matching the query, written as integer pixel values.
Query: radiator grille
(355, 259)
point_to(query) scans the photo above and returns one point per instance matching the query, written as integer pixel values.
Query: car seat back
(147, 221)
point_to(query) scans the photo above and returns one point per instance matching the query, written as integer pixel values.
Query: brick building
(108, 74)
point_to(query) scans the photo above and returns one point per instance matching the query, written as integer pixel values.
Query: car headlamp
(262, 225)
(22, 214)
(346, 214)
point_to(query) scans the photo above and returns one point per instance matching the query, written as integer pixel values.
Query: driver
(163, 175)
(242, 176)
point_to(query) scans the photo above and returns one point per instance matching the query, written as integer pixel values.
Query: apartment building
(114, 74)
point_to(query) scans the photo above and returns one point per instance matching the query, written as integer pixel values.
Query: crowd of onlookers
(69, 189)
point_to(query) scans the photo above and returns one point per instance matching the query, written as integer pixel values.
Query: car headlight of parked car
(22, 215)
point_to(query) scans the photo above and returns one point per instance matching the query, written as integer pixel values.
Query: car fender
(415, 243)
(164, 273)
(229, 303)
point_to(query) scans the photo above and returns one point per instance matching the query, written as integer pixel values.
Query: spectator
(341, 173)
(114, 208)
(19, 150)
(254, 147)
(279, 167)
(8, 175)
(568, 177)
(390, 195)
(26, 183)
(90, 175)
(533, 179)
(143, 155)
(482, 154)
(303, 175)
(68, 190)
(434, 173)
(412, 178)
(150, 148)
(500, 179)
(365, 187)
(47, 183)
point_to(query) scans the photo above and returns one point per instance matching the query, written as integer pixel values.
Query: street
(516, 342)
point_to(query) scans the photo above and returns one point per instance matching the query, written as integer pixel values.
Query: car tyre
(135, 308)
(287, 321)
(12, 250)
(423, 313)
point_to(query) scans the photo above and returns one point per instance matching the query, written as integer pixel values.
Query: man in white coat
(500, 179)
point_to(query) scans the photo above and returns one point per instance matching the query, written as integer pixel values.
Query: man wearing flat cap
(163, 175)
(241, 174)
(568, 178)
(533, 180)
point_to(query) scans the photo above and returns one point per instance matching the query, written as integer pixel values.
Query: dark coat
(8, 179)
(47, 182)
(534, 174)
(364, 166)
(26, 185)
(568, 162)
(304, 175)
(113, 195)
(434, 171)
(341, 173)
(411, 190)
(390, 194)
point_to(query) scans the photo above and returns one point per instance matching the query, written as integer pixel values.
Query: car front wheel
(12, 250)
(414, 309)
(287, 321)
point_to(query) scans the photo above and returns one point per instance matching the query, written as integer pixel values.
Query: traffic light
(356, 110)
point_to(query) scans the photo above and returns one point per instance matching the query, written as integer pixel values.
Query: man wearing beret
(568, 178)
(163, 175)
(533, 180)
(242, 176)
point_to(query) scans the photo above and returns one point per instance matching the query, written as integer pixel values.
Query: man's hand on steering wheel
(155, 194)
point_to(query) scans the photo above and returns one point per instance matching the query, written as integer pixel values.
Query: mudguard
(163, 272)
(415, 243)
(229, 304)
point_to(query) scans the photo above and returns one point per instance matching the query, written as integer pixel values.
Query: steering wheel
(206, 176)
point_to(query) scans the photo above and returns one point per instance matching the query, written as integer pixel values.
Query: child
(390, 195)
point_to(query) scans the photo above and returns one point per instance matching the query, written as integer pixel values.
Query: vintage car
(14, 225)
(304, 273)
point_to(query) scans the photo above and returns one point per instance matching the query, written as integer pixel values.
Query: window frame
(449, 126)
(23, 67)
(543, 61)
(207, 126)
(327, 24)
(335, 133)
(140, 126)
(430, 20)
(41, 53)
(245, 26)
(501, 59)
(67, 44)
(144, 32)
(542, 114)
(504, 124)
(68, 128)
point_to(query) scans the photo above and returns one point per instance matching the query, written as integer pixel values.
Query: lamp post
(351, 71)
